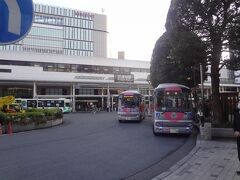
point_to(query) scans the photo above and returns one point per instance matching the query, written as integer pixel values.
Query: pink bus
(172, 109)
(130, 106)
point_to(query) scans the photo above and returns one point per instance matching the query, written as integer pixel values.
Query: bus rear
(173, 109)
(130, 106)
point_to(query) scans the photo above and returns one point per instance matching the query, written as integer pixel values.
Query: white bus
(63, 104)
(173, 109)
(130, 106)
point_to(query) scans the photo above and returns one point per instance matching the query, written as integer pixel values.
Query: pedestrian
(236, 129)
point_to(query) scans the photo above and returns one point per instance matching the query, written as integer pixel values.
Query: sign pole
(202, 93)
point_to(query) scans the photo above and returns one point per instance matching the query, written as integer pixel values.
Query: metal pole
(149, 105)
(202, 92)
(73, 97)
(149, 84)
(201, 74)
(102, 100)
(108, 99)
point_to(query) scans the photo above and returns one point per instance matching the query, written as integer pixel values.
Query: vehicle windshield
(172, 101)
(67, 105)
(130, 101)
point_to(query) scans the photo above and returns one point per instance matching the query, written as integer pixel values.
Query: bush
(37, 116)
(59, 114)
(15, 117)
(49, 113)
(2, 117)
(34, 110)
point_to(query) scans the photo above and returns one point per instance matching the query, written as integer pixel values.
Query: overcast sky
(133, 25)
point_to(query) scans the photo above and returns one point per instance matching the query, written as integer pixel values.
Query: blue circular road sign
(16, 18)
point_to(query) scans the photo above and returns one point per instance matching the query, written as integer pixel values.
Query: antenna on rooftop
(103, 10)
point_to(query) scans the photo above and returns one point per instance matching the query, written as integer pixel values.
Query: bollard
(1, 131)
(10, 128)
(201, 128)
(207, 131)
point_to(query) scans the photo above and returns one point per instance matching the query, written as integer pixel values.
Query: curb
(167, 162)
(181, 162)
(32, 126)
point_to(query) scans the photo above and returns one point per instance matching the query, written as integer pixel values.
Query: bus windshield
(130, 101)
(172, 101)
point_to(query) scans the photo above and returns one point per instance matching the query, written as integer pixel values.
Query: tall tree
(176, 57)
(159, 57)
(217, 23)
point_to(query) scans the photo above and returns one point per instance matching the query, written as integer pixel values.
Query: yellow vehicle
(7, 105)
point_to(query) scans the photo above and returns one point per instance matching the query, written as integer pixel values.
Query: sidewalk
(209, 160)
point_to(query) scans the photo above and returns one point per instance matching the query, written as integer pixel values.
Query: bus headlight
(158, 124)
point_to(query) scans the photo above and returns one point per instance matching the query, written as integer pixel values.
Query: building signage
(237, 77)
(83, 14)
(123, 78)
(16, 17)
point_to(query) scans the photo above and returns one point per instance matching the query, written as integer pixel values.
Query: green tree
(176, 57)
(159, 57)
(217, 23)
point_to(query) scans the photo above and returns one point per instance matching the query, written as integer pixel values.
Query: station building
(65, 56)
(81, 79)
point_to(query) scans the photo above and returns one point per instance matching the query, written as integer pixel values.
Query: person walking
(236, 129)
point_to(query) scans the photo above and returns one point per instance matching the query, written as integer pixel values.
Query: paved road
(85, 147)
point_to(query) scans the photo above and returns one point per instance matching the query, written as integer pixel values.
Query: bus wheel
(155, 134)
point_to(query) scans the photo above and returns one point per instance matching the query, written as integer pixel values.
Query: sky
(133, 25)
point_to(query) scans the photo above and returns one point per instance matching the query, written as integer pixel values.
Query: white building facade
(228, 82)
(58, 30)
(81, 79)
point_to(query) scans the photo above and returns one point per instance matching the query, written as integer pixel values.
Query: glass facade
(58, 30)
(77, 68)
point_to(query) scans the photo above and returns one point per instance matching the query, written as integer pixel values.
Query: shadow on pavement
(168, 161)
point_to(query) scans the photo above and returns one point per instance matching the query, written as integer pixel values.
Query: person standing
(236, 129)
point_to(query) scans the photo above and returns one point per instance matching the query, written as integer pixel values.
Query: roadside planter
(20, 128)
(57, 122)
(32, 119)
(208, 132)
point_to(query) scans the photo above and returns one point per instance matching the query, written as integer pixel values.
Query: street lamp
(149, 94)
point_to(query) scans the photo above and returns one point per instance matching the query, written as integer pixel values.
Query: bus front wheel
(155, 133)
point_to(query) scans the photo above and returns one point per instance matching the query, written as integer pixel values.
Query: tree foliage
(176, 58)
(217, 24)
